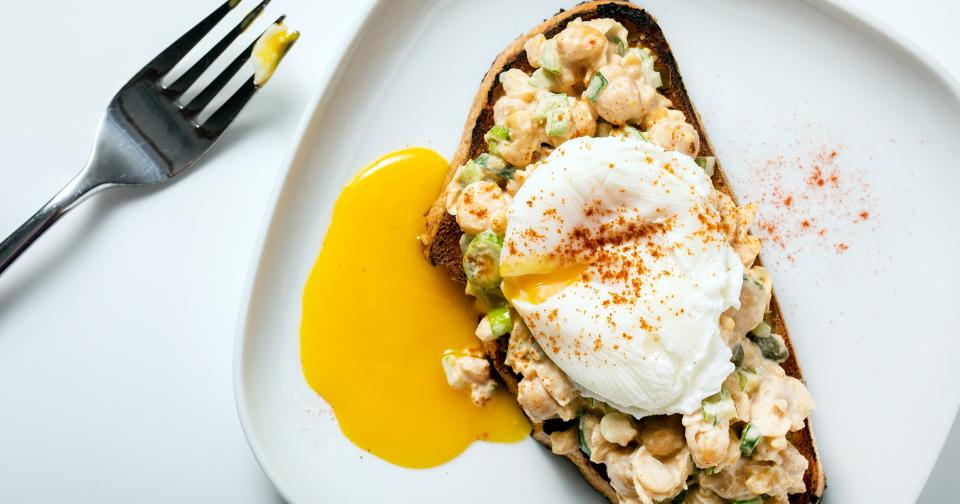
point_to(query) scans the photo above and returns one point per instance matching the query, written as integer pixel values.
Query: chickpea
(619, 102)
(662, 435)
(581, 43)
(617, 428)
(477, 205)
(708, 443)
(524, 139)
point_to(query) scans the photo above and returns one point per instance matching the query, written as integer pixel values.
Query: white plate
(875, 326)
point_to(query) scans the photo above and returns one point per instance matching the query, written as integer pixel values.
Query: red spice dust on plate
(810, 203)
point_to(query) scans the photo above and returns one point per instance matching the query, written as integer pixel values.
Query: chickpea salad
(734, 448)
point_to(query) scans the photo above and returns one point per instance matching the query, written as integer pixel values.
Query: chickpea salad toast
(625, 304)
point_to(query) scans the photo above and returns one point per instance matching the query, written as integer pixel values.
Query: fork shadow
(24, 276)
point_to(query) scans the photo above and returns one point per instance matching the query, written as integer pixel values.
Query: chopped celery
(454, 377)
(708, 163)
(718, 408)
(547, 102)
(481, 260)
(497, 134)
(596, 86)
(748, 380)
(549, 57)
(749, 439)
(762, 330)
(557, 123)
(470, 173)
(655, 80)
(500, 321)
(541, 79)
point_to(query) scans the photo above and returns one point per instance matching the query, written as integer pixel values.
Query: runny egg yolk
(535, 288)
(377, 318)
(269, 50)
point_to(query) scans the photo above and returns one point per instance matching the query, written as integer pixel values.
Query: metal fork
(146, 136)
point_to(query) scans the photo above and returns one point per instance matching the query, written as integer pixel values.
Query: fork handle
(21, 239)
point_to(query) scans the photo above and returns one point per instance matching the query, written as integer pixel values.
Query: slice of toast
(441, 239)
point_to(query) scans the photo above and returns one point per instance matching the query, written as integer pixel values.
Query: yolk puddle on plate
(377, 318)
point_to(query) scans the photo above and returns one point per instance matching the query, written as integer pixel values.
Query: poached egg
(615, 259)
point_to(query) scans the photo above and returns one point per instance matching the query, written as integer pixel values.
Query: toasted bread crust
(442, 235)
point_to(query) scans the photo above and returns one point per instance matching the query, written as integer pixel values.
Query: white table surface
(117, 328)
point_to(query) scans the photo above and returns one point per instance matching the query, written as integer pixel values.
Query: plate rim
(852, 16)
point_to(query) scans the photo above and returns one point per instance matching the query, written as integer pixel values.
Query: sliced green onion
(494, 167)
(584, 447)
(596, 86)
(549, 57)
(755, 500)
(621, 47)
(754, 281)
(541, 79)
(762, 330)
(633, 132)
(718, 408)
(506, 173)
(556, 123)
(465, 240)
(747, 380)
(490, 161)
(470, 173)
(772, 347)
(490, 236)
(749, 439)
(481, 260)
(487, 298)
(500, 321)
(737, 357)
(708, 163)
(710, 471)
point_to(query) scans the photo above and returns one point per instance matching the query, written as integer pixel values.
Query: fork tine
(203, 99)
(225, 115)
(190, 76)
(166, 60)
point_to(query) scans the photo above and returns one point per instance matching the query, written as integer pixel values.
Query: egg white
(637, 326)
